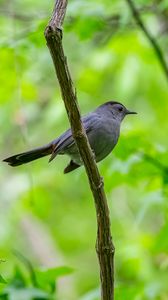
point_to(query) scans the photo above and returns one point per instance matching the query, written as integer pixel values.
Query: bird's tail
(25, 157)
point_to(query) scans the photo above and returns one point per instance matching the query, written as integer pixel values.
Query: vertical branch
(149, 36)
(104, 245)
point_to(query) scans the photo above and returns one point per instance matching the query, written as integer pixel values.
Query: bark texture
(104, 244)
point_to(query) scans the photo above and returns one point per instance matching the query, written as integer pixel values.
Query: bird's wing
(66, 140)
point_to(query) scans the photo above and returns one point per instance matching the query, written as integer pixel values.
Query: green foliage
(2, 280)
(49, 276)
(50, 217)
(32, 284)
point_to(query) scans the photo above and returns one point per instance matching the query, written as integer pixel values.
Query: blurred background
(47, 219)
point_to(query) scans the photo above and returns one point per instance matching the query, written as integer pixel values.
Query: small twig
(28, 265)
(104, 245)
(149, 36)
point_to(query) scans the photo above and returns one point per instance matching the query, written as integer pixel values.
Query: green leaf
(49, 276)
(2, 280)
(18, 279)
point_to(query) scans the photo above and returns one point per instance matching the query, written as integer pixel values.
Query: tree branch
(104, 245)
(149, 36)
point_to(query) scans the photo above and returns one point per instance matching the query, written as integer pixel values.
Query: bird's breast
(103, 136)
(104, 139)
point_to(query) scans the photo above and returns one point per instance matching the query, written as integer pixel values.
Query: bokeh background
(47, 219)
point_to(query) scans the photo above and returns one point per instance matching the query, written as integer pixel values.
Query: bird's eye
(120, 108)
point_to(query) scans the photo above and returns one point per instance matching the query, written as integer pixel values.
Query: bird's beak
(128, 112)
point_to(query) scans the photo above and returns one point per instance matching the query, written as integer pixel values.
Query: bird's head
(116, 109)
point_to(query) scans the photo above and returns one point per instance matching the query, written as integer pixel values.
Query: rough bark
(104, 245)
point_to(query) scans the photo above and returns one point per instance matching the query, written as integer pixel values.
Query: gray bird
(102, 128)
